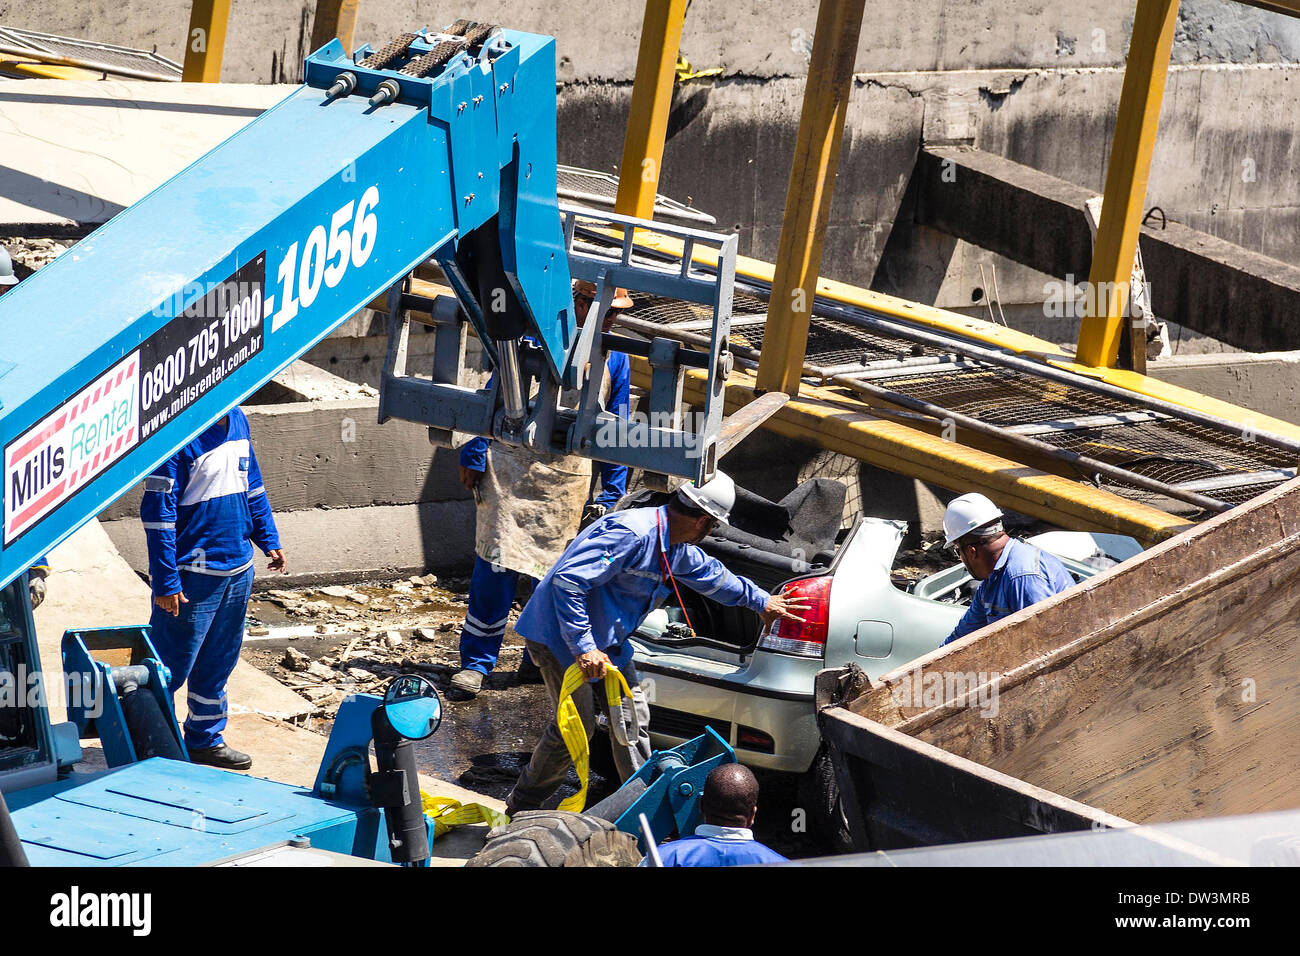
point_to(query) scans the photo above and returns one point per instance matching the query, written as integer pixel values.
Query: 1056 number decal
(326, 255)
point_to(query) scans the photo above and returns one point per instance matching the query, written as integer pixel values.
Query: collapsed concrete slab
(1201, 281)
(77, 153)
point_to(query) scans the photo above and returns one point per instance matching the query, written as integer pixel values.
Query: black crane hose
(150, 733)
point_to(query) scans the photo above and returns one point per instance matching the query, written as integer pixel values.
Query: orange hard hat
(588, 289)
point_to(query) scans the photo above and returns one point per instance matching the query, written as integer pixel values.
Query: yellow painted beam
(652, 95)
(808, 194)
(205, 42)
(1127, 172)
(45, 71)
(820, 418)
(335, 19)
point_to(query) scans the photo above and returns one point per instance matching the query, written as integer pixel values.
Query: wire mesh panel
(1168, 450)
(1002, 396)
(1171, 451)
(593, 188)
(111, 58)
(1174, 452)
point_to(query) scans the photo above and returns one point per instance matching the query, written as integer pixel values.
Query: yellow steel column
(1126, 181)
(205, 41)
(808, 195)
(647, 122)
(334, 18)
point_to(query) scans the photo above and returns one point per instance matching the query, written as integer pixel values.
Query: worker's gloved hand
(594, 664)
(278, 561)
(469, 477)
(171, 603)
(779, 605)
(36, 586)
(593, 512)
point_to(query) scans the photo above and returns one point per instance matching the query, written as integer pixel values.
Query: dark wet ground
(483, 743)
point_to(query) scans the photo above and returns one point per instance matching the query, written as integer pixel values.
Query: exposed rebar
(1073, 458)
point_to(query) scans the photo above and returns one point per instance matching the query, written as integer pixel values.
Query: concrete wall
(1268, 382)
(351, 496)
(1038, 84)
(597, 40)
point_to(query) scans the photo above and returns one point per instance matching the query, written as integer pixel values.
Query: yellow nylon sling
(448, 812)
(574, 734)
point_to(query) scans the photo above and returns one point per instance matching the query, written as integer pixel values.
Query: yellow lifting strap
(447, 812)
(574, 734)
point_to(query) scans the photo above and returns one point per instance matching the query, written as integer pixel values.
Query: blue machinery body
(667, 789)
(436, 147)
(151, 810)
(439, 146)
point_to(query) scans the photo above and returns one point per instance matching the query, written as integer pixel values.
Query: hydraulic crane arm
(440, 145)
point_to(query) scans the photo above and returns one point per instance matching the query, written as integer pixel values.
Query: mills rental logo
(54, 458)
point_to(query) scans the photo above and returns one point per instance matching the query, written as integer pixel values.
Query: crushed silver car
(707, 665)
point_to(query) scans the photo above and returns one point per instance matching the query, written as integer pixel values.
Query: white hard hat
(7, 276)
(966, 513)
(716, 497)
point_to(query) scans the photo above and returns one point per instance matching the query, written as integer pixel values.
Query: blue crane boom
(437, 146)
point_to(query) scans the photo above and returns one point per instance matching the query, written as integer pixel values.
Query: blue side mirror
(412, 707)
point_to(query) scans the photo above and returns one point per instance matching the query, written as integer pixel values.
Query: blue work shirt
(1024, 575)
(613, 478)
(718, 846)
(612, 576)
(203, 505)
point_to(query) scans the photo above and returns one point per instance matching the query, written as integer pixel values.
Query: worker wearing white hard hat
(1013, 575)
(7, 276)
(612, 575)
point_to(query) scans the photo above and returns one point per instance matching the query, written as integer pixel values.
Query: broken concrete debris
(295, 660)
(371, 632)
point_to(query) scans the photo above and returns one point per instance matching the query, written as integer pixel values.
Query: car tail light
(747, 738)
(805, 638)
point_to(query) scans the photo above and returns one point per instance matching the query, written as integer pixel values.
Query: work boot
(528, 672)
(228, 758)
(465, 684)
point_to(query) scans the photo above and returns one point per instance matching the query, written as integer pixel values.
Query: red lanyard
(668, 571)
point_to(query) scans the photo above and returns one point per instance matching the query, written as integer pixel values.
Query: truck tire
(819, 795)
(555, 838)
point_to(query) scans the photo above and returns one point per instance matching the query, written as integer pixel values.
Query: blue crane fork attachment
(666, 790)
(439, 146)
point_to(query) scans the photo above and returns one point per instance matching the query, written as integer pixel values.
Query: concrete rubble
(348, 640)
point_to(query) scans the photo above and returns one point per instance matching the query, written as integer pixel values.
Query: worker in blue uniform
(728, 805)
(203, 509)
(1013, 574)
(613, 574)
(527, 511)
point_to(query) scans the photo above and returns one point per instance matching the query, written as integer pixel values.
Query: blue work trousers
(201, 647)
(491, 592)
